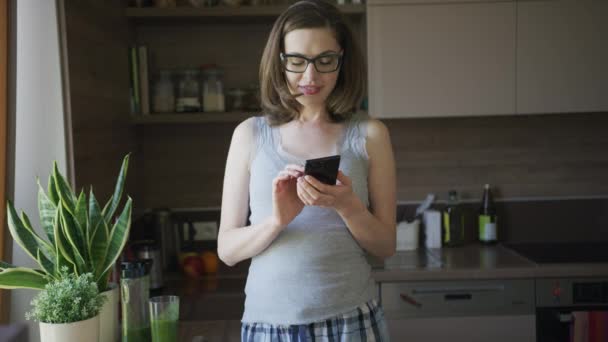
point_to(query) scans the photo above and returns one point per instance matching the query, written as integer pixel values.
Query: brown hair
(278, 104)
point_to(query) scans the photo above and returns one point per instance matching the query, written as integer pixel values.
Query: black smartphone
(324, 169)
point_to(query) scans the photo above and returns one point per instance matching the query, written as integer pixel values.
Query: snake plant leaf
(118, 238)
(47, 210)
(99, 247)
(22, 278)
(47, 265)
(81, 211)
(63, 243)
(63, 255)
(72, 229)
(52, 189)
(75, 236)
(63, 189)
(25, 237)
(43, 245)
(95, 217)
(80, 215)
(110, 208)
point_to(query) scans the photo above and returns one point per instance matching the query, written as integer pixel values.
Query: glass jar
(188, 92)
(213, 90)
(236, 99)
(164, 99)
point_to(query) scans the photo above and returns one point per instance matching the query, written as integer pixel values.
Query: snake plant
(80, 235)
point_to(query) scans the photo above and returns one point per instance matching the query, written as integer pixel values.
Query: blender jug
(135, 293)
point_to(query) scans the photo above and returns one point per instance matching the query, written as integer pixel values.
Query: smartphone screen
(324, 169)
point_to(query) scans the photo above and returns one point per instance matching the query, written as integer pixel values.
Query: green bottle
(453, 221)
(487, 218)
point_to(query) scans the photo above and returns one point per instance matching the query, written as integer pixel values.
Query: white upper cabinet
(440, 58)
(562, 56)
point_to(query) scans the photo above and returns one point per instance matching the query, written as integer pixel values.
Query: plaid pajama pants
(364, 324)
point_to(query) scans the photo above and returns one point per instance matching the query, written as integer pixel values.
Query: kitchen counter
(210, 331)
(475, 261)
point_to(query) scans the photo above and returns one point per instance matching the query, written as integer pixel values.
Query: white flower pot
(87, 330)
(108, 317)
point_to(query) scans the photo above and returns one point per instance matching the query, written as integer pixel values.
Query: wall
(541, 156)
(37, 124)
(96, 39)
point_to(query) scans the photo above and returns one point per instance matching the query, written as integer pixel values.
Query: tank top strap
(356, 135)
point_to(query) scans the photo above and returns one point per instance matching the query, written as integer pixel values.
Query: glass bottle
(213, 90)
(188, 93)
(164, 99)
(487, 217)
(453, 221)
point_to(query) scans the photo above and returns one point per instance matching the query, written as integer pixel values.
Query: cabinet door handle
(410, 300)
(458, 296)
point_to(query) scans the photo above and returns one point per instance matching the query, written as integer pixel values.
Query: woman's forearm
(373, 235)
(240, 243)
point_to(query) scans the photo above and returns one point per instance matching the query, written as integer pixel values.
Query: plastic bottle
(453, 221)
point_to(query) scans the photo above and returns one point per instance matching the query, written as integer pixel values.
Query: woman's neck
(314, 115)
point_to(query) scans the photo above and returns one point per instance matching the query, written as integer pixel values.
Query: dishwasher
(477, 310)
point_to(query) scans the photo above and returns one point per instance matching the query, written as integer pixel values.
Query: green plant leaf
(63, 189)
(73, 230)
(22, 278)
(110, 207)
(26, 238)
(74, 235)
(52, 188)
(61, 246)
(46, 264)
(43, 245)
(118, 238)
(82, 219)
(99, 247)
(47, 211)
(95, 217)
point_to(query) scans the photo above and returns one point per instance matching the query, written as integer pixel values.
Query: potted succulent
(68, 308)
(80, 236)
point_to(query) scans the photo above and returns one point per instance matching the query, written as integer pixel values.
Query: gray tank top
(314, 269)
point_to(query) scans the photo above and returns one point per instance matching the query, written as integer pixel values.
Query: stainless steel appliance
(148, 250)
(560, 300)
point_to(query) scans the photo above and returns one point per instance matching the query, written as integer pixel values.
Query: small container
(213, 90)
(135, 294)
(188, 92)
(407, 235)
(164, 97)
(236, 99)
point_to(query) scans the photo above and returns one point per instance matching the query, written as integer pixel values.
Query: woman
(309, 278)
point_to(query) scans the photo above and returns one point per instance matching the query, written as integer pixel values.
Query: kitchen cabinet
(481, 310)
(232, 38)
(562, 56)
(441, 59)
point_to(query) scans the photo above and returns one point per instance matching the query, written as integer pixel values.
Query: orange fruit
(211, 261)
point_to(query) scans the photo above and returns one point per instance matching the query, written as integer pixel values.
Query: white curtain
(38, 122)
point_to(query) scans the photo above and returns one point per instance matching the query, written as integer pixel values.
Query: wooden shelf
(221, 11)
(182, 118)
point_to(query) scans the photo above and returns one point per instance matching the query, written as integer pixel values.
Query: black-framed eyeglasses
(325, 63)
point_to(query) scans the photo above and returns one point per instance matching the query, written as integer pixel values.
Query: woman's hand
(286, 204)
(340, 196)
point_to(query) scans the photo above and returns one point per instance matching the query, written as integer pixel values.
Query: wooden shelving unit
(222, 11)
(184, 118)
